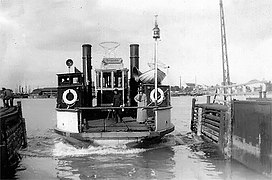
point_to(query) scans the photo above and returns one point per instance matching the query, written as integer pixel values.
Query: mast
(156, 36)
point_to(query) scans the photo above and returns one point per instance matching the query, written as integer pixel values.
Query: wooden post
(199, 121)
(24, 133)
(193, 115)
(221, 138)
(228, 132)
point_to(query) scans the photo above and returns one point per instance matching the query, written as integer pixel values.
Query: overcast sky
(38, 36)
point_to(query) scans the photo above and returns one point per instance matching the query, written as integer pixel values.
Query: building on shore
(48, 92)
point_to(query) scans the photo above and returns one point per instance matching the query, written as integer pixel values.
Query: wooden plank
(211, 117)
(217, 107)
(214, 123)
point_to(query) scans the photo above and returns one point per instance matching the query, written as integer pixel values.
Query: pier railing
(224, 94)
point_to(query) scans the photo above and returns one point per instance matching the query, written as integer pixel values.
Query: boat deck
(110, 125)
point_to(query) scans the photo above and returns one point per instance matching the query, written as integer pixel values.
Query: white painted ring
(64, 96)
(152, 95)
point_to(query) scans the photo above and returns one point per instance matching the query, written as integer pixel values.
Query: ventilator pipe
(87, 73)
(134, 64)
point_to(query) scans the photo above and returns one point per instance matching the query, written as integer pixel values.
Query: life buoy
(152, 95)
(64, 96)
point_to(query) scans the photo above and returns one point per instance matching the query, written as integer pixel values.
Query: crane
(226, 76)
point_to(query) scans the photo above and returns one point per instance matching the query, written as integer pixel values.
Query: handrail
(230, 93)
(243, 84)
(234, 94)
(111, 108)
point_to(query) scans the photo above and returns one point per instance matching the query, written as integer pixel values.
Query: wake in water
(52, 145)
(62, 149)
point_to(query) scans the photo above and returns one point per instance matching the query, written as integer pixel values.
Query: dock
(242, 129)
(13, 138)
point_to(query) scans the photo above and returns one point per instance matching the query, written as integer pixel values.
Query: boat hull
(131, 139)
(67, 120)
(101, 131)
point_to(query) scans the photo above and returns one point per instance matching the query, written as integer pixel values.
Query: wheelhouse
(112, 75)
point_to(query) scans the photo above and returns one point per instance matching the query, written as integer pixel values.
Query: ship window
(98, 79)
(118, 79)
(75, 80)
(107, 79)
(65, 80)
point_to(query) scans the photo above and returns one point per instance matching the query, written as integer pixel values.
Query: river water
(178, 156)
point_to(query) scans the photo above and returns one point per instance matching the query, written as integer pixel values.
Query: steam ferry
(84, 103)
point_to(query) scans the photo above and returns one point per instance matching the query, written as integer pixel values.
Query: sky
(38, 36)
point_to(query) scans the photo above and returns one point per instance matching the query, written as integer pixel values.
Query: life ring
(152, 95)
(64, 96)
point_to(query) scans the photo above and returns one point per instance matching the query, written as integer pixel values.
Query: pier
(13, 138)
(242, 129)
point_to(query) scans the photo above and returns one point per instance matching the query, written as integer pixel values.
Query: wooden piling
(198, 124)
(228, 133)
(193, 116)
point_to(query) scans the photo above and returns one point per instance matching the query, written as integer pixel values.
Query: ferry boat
(84, 104)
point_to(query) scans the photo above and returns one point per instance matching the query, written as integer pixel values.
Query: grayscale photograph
(136, 89)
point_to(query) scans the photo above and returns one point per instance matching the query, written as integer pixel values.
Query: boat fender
(64, 96)
(152, 95)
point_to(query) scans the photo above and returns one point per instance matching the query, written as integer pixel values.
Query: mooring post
(24, 134)
(199, 121)
(228, 131)
(193, 115)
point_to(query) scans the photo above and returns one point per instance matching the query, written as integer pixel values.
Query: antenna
(109, 48)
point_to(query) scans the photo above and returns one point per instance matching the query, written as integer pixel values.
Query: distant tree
(175, 88)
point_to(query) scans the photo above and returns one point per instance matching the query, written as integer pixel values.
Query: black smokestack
(134, 62)
(87, 73)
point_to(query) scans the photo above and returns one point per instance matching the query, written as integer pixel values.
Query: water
(178, 156)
